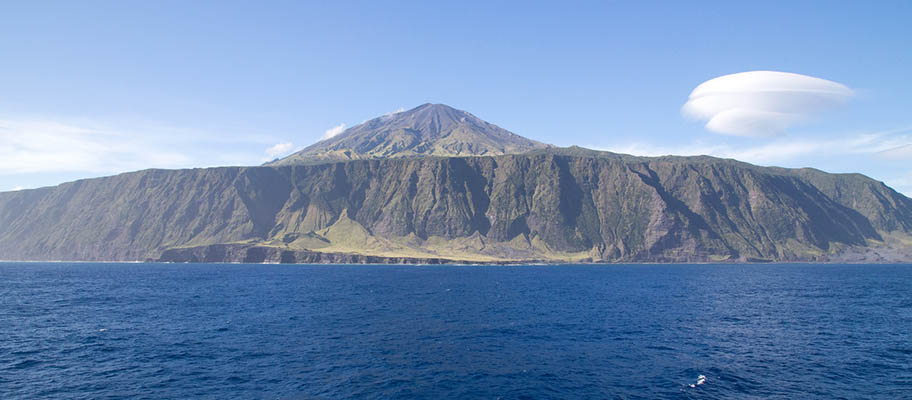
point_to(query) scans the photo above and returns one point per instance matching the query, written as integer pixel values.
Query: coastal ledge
(258, 254)
(242, 253)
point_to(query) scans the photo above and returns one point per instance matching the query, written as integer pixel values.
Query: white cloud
(279, 149)
(41, 146)
(874, 145)
(762, 103)
(333, 131)
(18, 188)
(386, 116)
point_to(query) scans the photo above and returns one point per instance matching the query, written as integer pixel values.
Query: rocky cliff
(547, 205)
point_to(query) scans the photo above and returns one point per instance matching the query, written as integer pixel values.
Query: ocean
(84, 330)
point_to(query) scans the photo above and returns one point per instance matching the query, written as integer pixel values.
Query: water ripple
(377, 332)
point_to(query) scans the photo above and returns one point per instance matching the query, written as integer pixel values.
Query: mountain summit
(426, 130)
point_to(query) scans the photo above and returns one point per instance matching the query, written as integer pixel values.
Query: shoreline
(470, 264)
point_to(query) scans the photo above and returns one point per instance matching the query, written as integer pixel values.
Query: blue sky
(96, 88)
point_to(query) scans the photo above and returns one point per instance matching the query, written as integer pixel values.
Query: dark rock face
(607, 206)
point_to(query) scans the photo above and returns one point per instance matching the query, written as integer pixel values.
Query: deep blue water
(282, 331)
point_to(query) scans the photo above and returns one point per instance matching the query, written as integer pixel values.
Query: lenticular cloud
(761, 103)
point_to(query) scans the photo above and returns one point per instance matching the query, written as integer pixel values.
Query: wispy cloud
(29, 146)
(386, 116)
(279, 149)
(783, 149)
(41, 146)
(903, 152)
(333, 131)
(762, 103)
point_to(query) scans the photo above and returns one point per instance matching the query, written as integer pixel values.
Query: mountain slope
(549, 205)
(435, 184)
(426, 130)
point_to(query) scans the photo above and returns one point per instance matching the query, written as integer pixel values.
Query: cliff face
(552, 205)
